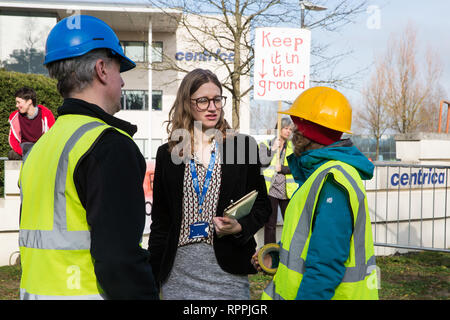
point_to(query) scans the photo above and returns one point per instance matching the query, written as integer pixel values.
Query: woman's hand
(255, 262)
(226, 226)
(276, 144)
(267, 261)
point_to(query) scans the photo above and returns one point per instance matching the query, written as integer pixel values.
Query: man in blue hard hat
(83, 206)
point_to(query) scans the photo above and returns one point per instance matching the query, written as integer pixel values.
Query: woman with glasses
(196, 252)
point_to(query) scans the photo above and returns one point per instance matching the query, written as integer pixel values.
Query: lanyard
(201, 197)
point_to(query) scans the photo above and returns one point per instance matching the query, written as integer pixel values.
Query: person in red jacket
(28, 123)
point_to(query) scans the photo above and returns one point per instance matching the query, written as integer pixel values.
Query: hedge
(10, 82)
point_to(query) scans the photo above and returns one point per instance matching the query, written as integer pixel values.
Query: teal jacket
(329, 246)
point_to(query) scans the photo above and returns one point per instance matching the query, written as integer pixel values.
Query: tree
(263, 117)
(27, 60)
(229, 24)
(374, 116)
(30, 59)
(411, 87)
(402, 94)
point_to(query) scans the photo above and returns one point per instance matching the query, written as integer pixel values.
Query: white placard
(282, 60)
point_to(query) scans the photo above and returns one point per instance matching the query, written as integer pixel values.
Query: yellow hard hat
(324, 106)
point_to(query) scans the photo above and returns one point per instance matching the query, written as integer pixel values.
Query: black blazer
(241, 173)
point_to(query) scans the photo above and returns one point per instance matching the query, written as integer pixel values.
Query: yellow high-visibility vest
(54, 236)
(268, 173)
(360, 279)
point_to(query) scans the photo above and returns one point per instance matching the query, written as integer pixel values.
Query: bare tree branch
(229, 24)
(402, 95)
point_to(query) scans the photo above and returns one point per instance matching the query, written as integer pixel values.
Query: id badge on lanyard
(200, 229)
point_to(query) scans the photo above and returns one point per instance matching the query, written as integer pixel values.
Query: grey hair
(75, 74)
(285, 122)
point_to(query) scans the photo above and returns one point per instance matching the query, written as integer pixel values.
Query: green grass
(411, 276)
(9, 282)
(415, 276)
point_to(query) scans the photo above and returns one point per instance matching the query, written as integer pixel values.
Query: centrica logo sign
(204, 56)
(428, 176)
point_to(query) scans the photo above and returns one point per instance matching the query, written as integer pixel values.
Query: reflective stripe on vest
(59, 238)
(269, 172)
(29, 296)
(292, 259)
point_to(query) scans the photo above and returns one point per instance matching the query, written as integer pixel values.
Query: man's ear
(101, 70)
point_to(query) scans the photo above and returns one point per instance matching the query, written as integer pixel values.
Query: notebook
(242, 207)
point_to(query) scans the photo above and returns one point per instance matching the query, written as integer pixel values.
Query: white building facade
(137, 26)
(160, 68)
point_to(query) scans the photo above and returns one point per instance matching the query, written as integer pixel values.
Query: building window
(157, 100)
(134, 100)
(157, 51)
(137, 50)
(138, 100)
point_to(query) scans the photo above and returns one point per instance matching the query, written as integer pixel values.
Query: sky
(368, 36)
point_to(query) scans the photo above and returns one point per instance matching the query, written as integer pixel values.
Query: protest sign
(282, 60)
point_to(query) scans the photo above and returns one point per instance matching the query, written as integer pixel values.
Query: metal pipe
(409, 213)
(421, 213)
(398, 208)
(409, 247)
(376, 200)
(441, 104)
(302, 12)
(448, 115)
(412, 220)
(387, 203)
(445, 221)
(434, 198)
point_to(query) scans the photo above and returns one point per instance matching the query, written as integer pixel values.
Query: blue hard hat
(75, 36)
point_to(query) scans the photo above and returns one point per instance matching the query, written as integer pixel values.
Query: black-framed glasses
(202, 103)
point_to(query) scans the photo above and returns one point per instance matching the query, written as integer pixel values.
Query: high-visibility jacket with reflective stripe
(360, 279)
(268, 173)
(54, 236)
